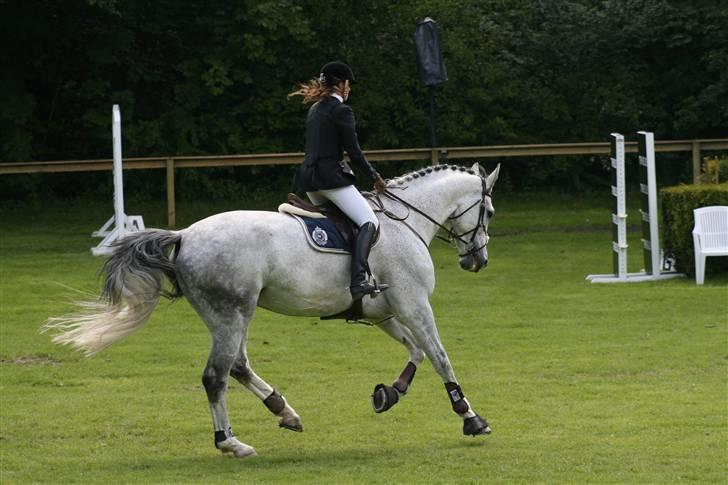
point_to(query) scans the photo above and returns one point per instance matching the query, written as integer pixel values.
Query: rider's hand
(379, 184)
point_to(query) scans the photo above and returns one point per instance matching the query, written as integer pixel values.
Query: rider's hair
(312, 91)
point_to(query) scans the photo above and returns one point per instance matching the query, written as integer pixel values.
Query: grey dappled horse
(228, 264)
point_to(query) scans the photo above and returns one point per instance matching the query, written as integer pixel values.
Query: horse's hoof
(384, 397)
(475, 426)
(238, 449)
(291, 424)
(245, 452)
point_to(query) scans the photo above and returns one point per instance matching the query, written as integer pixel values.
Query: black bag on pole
(429, 54)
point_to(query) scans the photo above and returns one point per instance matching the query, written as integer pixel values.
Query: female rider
(325, 175)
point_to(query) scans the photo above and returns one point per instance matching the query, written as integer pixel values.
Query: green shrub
(677, 222)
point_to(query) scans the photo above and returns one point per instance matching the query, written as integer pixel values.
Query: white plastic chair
(710, 236)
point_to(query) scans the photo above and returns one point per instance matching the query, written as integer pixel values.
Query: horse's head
(469, 221)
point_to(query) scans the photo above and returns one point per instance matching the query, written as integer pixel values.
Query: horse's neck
(436, 197)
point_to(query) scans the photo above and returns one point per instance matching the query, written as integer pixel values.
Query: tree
(212, 77)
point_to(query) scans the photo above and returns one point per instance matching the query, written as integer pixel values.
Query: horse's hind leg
(272, 399)
(421, 322)
(227, 333)
(384, 397)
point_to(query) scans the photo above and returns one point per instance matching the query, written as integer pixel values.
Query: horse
(228, 264)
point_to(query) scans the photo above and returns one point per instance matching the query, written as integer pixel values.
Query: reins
(379, 207)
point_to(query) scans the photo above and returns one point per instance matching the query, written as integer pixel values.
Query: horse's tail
(132, 284)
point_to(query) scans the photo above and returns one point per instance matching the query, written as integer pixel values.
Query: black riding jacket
(330, 130)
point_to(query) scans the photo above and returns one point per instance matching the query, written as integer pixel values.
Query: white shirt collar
(334, 95)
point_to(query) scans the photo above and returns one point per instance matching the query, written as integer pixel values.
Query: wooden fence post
(171, 211)
(696, 161)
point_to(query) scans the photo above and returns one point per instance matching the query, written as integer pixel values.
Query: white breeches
(350, 201)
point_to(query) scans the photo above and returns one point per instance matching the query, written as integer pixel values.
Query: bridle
(450, 233)
(474, 231)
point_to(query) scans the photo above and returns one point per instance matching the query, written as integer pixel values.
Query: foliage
(212, 77)
(577, 380)
(678, 220)
(714, 170)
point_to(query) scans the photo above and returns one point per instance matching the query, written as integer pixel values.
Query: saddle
(319, 215)
(299, 207)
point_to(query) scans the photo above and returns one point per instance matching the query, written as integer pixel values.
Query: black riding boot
(360, 286)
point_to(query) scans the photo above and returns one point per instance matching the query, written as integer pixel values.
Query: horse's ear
(478, 169)
(490, 179)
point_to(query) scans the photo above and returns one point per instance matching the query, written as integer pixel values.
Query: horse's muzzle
(474, 262)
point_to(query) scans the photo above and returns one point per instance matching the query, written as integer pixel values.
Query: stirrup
(373, 290)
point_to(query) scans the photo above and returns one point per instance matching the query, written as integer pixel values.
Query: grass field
(580, 382)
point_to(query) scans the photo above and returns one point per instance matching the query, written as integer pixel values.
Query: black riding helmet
(334, 72)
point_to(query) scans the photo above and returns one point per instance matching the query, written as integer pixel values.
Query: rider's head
(334, 78)
(338, 76)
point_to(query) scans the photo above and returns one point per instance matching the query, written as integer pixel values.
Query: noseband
(451, 235)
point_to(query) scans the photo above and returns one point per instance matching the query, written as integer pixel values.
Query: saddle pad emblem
(320, 237)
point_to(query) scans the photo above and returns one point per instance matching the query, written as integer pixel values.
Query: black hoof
(293, 427)
(475, 426)
(384, 397)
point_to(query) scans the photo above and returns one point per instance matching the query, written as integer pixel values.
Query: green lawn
(580, 382)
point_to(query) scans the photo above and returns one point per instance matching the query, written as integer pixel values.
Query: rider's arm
(346, 124)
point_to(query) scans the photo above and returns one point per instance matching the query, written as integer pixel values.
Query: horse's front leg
(384, 397)
(421, 322)
(272, 399)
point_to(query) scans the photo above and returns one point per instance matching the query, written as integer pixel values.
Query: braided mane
(408, 177)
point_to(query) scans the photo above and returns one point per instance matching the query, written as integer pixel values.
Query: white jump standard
(123, 224)
(653, 257)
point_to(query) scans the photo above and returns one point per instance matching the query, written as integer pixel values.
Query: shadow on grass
(292, 461)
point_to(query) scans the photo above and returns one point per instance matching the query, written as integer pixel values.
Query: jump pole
(122, 223)
(652, 255)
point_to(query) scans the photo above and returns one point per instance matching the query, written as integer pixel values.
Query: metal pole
(433, 136)
(171, 210)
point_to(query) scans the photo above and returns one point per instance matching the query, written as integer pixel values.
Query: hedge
(677, 222)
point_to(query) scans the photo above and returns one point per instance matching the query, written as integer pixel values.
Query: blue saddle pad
(323, 235)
